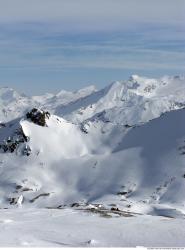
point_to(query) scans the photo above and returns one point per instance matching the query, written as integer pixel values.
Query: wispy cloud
(43, 38)
(133, 49)
(95, 15)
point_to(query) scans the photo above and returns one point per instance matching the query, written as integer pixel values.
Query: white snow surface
(120, 149)
(71, 228)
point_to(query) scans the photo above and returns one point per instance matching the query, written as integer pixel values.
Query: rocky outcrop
(12, 143)
(38, 116)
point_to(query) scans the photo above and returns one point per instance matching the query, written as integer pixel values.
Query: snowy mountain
(14, 105)
(117, 153)
(55, 163)
(120, 146)
(134, 101)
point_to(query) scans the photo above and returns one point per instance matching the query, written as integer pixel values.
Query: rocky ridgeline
(12, 143)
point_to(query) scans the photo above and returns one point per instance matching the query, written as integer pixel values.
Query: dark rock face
(13, 142)
(18, 138)
(26, 151)
(2, 125)
(38, 117)
(127, 126)
(84, 129)
(12, 200)
(38, 196)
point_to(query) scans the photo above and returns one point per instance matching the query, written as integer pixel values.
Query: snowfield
(71, 228)
(94, 167)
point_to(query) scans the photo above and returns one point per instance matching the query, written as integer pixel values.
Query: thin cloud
(50, 40)
(95, 15)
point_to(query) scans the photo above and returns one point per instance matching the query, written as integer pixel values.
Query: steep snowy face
(134, 101)
(59, 139)
(41, 133)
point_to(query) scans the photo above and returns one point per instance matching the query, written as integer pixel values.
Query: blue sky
(49, 45)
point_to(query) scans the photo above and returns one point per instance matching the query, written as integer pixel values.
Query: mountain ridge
(119, 97)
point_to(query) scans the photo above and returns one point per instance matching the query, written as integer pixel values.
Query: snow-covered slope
(57, 163)
(69, 228)
(121, 146)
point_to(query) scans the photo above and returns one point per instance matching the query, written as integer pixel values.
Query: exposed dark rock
(83, 129)
(107, 213)
(122, 193)
(127, 126)
(2, 125)
(26, 189)
(22, 189)
(18, 187)
(26, 150)
(115, 209)
(38, 116)
(11, 143)
(13, 200)
(75, 204)
(182, 150)
(38, 196)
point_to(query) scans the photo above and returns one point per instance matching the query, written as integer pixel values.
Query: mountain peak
(134, 77)
(38, 116)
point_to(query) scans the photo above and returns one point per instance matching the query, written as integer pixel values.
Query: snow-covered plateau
(94, 167)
